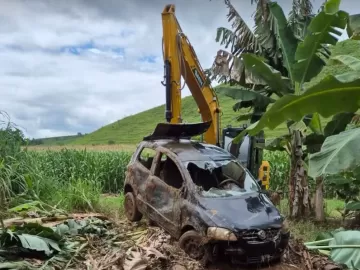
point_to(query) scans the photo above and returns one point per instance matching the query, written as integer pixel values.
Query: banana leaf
(338, 123)
(322, 31)
(254, 99)
(272, 77)
(344, 246)
(287, 40)
(31, 244)
(346, 255)
(338, 153)
(353, 27)
(332, 95)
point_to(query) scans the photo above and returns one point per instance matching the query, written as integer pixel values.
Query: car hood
(249, 211)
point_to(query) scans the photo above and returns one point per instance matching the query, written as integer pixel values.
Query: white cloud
(74, 66)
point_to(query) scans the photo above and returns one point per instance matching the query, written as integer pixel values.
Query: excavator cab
(249, 152)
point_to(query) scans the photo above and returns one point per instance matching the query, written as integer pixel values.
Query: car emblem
(262, 234)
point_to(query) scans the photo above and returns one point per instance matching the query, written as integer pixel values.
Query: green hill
(60, 140)
(132, 129)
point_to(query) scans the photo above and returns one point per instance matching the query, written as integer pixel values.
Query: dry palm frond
(241, 37)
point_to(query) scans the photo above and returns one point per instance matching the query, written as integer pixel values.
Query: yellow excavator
(180, 60)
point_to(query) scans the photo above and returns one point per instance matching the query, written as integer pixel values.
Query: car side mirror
(259, 182)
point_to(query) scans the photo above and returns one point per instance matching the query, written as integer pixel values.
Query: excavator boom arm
(180, 60)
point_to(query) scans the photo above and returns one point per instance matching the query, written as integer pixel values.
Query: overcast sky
(74, 66)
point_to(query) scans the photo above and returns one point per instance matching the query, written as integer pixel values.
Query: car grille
(259, 235)
(258, 260)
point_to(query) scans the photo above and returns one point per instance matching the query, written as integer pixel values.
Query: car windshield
(222, 179)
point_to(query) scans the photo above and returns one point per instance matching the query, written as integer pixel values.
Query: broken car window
(167, 171)
(226, 179)
(146, 157)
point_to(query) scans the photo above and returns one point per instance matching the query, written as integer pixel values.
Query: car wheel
(191, 243)
(131, 211)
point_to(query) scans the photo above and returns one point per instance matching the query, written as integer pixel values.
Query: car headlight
(217, 233)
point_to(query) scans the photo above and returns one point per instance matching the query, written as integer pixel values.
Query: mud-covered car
(202, 196)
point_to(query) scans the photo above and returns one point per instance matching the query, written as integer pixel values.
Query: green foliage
(338, 153)
(287, 39)
(132, 129)
(11, 138)
(342, 246)
(353, 28)
(32, 238)
(309, 59)
(33, 246)
(338, 124)
(311, 51)
(334, 94)
(345, 255)
(279, 169)
(245, 97)
(346, 185)
(69, 178)
(105, 168)
(331, 95)
(60, 140)
(80, 194)
(272, 77)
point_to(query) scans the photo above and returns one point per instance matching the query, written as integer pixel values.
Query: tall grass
(104, 168)
(69, 178)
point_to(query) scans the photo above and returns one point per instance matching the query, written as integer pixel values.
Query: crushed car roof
(188, 150)
(177, 138)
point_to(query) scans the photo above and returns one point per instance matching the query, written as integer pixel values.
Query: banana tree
(303, 60)
(353, 29)
(262, 40)
(338, 162)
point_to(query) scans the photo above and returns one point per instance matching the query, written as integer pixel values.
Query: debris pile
(156, 250)
(91, 241)
(298, 255)
(75, 243)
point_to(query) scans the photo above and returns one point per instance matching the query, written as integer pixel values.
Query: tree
(303, 59)
(256, 92)
(338, 163)
(228, 67)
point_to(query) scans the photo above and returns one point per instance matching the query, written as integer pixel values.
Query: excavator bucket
(178, 131)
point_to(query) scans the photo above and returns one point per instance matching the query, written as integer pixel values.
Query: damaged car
(202, 196)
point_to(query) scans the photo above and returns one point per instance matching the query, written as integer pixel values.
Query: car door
(164, 191)
(141, 171)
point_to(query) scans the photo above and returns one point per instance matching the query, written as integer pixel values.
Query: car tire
(131, 211)
(190, 242)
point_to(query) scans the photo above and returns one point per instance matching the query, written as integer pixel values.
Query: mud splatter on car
(201, 195)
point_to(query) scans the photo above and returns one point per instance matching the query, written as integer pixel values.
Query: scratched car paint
(203, 197)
